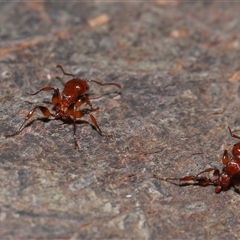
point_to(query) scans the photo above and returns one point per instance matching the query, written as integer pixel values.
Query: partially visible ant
(66, 105)
(229, 177)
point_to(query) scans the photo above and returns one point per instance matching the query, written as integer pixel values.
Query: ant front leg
(94, 121)
(225, 157)
(44, 111)
(85, 99)
(71, 111)
(233, 135)
(201, 181)
(42, 89)
(56, 98)
(80, 113)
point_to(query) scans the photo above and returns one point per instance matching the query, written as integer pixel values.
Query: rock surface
(178, 64)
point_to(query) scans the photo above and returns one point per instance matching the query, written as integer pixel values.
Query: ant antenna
(64, 73)
(103, 84)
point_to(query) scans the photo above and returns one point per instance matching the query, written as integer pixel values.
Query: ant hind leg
(44, 111)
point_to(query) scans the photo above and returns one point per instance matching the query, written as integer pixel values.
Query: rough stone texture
(178, 64)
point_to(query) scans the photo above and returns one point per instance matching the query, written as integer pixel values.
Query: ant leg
(75, 114)
(233, 135)
(42, 89)
(44, 111)
(80, 113)
(202, 181)
(56, 98)
(71, 112)
(171, 180)
(218, 189)
(216, 173)
(85, 99)
(206, 170)
(103, 84)
(225, 157)
(88, 102)
(79, 102)
(64, 73)
(74, 134)
(94, 121)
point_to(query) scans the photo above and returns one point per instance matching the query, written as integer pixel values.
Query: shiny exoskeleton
(67, 104)
(225, 179)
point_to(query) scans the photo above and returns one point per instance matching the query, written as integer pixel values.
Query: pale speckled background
(178, 64)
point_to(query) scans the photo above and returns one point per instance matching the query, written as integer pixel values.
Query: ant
(66, 105)
(227, 178)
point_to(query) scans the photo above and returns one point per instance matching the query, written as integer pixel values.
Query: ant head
(236, 150)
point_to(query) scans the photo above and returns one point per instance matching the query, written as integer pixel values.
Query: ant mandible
(229, 177)
(66, 105)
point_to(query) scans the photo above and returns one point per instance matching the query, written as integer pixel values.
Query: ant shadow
(70, 121)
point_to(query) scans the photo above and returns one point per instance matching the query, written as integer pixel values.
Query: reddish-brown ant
(229, 177)
(66, 105)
